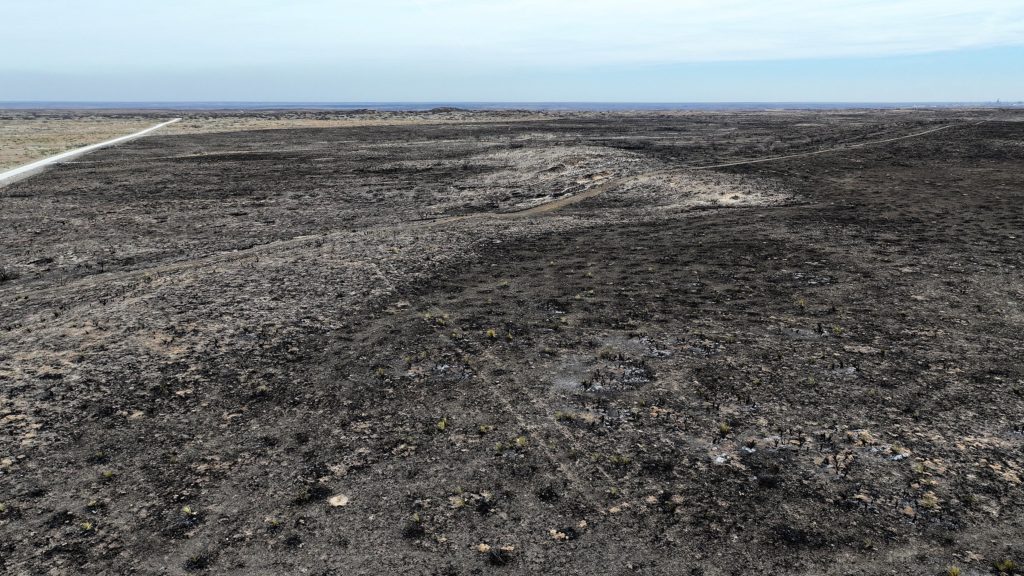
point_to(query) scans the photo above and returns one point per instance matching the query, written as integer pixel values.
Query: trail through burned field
(529, 345)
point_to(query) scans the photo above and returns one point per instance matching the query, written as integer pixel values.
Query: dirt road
(22, 172)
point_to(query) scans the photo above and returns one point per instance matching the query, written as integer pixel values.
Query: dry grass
(33, 135)
(272, 121)
(26, 139)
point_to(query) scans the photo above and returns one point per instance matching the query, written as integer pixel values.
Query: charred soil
(521, 345)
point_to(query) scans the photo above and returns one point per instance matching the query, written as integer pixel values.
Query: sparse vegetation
(1006, 566)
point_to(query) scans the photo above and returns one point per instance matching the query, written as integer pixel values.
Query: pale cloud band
(65, 34)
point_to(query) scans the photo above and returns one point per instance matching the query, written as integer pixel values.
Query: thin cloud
(66, 34)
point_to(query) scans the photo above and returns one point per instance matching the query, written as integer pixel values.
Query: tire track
(546, 207)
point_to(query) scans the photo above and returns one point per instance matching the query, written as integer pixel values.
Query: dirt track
(805, 366)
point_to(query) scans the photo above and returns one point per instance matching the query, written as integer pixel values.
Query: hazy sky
(513, 50)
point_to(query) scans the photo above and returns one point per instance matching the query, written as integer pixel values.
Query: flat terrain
(26, 136)
(450, 343)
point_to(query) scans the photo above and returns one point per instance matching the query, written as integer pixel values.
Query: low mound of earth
(520, 345)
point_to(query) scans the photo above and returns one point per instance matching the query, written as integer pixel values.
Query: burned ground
(378, 349)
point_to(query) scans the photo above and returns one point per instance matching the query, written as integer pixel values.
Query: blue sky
(514, 50)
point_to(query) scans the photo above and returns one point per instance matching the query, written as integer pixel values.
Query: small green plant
(521, 442)
(619, 460)
(1006, 566)
(87, 527)
(107, 475)
(724, 428)
(492, 333)
(442, 424)
(953, 571)
(188, 511)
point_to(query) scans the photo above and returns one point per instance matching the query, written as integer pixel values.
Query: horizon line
(49, 101)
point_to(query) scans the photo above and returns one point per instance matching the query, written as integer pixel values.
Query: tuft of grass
(929, 501)
(442, 320)
(953, 571)
(442, 424)
(1006, 566)
(492, 333)
(619, 460)
(724, 428)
